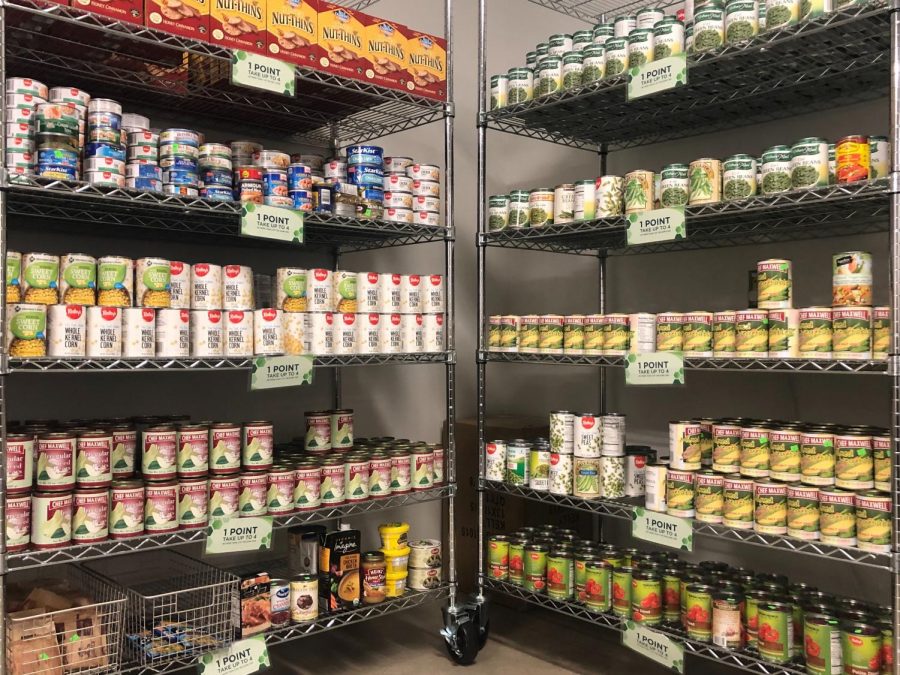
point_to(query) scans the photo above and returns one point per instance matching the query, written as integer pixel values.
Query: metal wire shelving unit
(779, 74)
(168, 76)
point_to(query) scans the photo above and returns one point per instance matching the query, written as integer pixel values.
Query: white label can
(433, 295)
(368, 296)
(237, 287)
(411, 333)
(411, 300)
(319, 291)
(104, 332)
(389, 292)
(319, 334)
(367, 333)
(206, 286)
(641, 333)
(390, 339)
(586, 435)
(206, 333)
(294, 326)
(238, 333)
(138, 332)
(495, 461)
(345, 333)
(655, 487)
(561, 469)
(268, 336)
(180, 285)
(173, 333)
(613, 435)
(635, 475)
(433, 333)
(67, 325)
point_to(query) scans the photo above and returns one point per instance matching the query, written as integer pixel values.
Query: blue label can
(366, 175)
(180, 177)
(216, 177)
(57, 172)
(59, 157)
(145, 184)
(179, 163)
(104, 150)
(372, 194)
(138, 170)
(365, 154)
(217, 194)
(104, 120)
(302, 199)
(299, 177)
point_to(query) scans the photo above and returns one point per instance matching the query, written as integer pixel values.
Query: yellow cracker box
(427, 63)
(386, 42)
(189, 18)
(342, 38)
(239, 24)
(291, 31)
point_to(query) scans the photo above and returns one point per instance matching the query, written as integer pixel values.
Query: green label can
(621, 591)
(739, 171)
(751, 338)
(837, 517)
(573, 334)
(698, 615)
(773, 280)
(803, 511)
(519, 209)
(549, 75)
(852, 332)
(881, 455)
(751, 613)
(821, 644)
(517, 460)
(881, 332)
(594, 63)
(697, 339)
(726, 455)
(737, 509)
(755, 452)
(775, 635)
(520, 86)
(815, 335)
(873, 521)
(709, 498)
(550, 334)
(809, 163)
(498, 557)
(724, 333)
(860, 648)
(770, 507)
(854, 467)
(536, 567)
(517, 561)
(597, 584)
(680, 493)
(671, 592)
(498, 212)
(572, 68)
(817, 457)
(784, 454)
(539, 468)
(646, 597)
(616, 56)
(560, 582)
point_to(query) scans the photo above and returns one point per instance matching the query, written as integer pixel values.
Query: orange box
(189, 18)
(123, 10)
(427, 63)
(291, 31)
(387, 42)
(239, 24)
(342, 39)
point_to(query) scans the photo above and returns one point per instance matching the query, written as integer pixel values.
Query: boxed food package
(339, 570)
(256, 611)
(239, 24)
(427, 59)
(189, 18)
(303, 548)
(123, 10)
(386, 42)
(291, 31)
(342, 39)
(32, 647)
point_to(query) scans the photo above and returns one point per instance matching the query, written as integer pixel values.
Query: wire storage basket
(178, 607)
(68, 623)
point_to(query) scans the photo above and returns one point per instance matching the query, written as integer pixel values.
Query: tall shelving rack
(180, 77)
(775, 75)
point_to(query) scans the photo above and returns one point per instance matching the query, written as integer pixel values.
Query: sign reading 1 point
(649, 227)
(655, 368)
(657, 76)
(662, 529)
(272, 222)
(262, 72)
(275, 372)
(243, 657)
(233, 535)
(654, 645)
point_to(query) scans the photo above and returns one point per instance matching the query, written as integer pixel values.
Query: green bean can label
(559, 577)
(724, 333)
(535, 570)
(803, 512)
(739, 171)
(738, 503)
(539, 469)
(726, 456)
(616, 56)
(709, 29)
(519, 209)
(882, 452)
(821, 644)
(572, 68)
(809, 163)
(597, 583)
(621, 591)
(594, 63)
(668, 38)
(784, 454)
(498, 557)
(861, 650)
(673, 186)
(815, 335)
(741, 20)
(775, 635)
(709, 498)
(499, 89)
(540, 205)
(646, 600)
(698, 614)
(498, 213)
(755, 452)
(549, 75)
(776, 170)
(640, 47)
(854, 468)
(517, 562)
(521, 85)
(780, 13)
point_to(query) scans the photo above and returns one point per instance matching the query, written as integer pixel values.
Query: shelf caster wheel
(463, 644)
(483, 634)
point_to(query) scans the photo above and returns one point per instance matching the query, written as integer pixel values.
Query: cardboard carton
(427, 63)
(131, 11)
(386, 42)
(292, 31)
(239, 24)
(189, 18)
(342, 38)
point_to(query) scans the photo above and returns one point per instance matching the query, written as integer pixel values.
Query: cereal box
(427, 63)
(189, 18)
(291, 31)
(386, 42)
(342, 39)
(239, 24)
(124, 10)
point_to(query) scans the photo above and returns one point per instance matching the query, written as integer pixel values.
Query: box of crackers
(291, 31)
(387, 42)
(131, 11)
(342, 39)
(189, 18)
(239, 24)
(427, 63)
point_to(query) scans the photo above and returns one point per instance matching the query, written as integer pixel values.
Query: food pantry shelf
(836, 210)
(840, 58)
(186, 217)
(744, 660)
(27, 559)
(587, 10)
(124, 365)
(147, 69)
(691, 363)
(624, 509)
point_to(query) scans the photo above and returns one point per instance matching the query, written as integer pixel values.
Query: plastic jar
(393, 537)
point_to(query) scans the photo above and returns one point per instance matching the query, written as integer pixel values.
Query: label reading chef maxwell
(655, 368)
(232, 535)
(654, 645)
(274, 372)
(656, 225)
(272, 222)
(657, 76)
(240, 658)
(662, 529)
(262, 72)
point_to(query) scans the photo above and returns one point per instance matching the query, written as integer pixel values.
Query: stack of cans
(365, 170)
(300, 187)
(316, 164)
(274, 164)
(66, 113)
(426, 189)
(22, 95)
(242, 153)
(179, 152)
(248, 184)
(216, 172)
(398, 196)
(142, 171)
(104, 159)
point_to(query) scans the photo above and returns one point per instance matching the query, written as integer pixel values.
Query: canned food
(852, 158)
(161, 507)
(51, 520)
(104, 332)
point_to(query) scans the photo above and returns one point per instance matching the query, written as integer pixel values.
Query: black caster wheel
(483, 634)
(463, 646)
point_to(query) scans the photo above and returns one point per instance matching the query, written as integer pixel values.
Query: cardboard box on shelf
(188, 18)
(239, 24)
(427, 59)
(32, 648)
(131, 11)
(387, 42)
(292, 31)
(342, 38)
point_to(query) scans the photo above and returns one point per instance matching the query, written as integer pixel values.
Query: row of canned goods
(711, 602)
(811, 332)
(851, 281)
(824, 455)
(321, 290)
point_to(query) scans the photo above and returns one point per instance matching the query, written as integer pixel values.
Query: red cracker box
(124, 10)
(239, 24)
(342, 38)
(386, 42)
(427, 63)
(292, 31)
(189, 18)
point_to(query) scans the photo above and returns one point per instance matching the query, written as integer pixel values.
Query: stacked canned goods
(215, 167)
(104, 152)
(22, 96)
(179, 154)
(142, 168)
(365, 171)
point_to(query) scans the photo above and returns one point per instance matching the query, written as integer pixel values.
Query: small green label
(233, 535)
(243, 657)
(274, 372)
(81, 275)
(657, 76)
(272, 222)
(654, 645)
(655, 368)
(158, 277)
(662, 529)
(262, 72)
(649, 227)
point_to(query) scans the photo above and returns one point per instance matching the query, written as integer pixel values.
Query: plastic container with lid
(396, 560)
(395, 585)
(394, 536)
(425, 553)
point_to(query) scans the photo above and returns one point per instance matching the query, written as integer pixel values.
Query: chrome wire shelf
(728, 364)
(122, 211)
(39, 558)
(836, 210)
(139, 65)
(624, 509)
(46, 365)
(743, 660)
(837, 59)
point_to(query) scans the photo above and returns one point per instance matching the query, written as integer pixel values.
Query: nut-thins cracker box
(386, 42)
(342, 38)
(239, 24)
(189, 18)
(427, 63)
(292, 31)
(123, 10)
